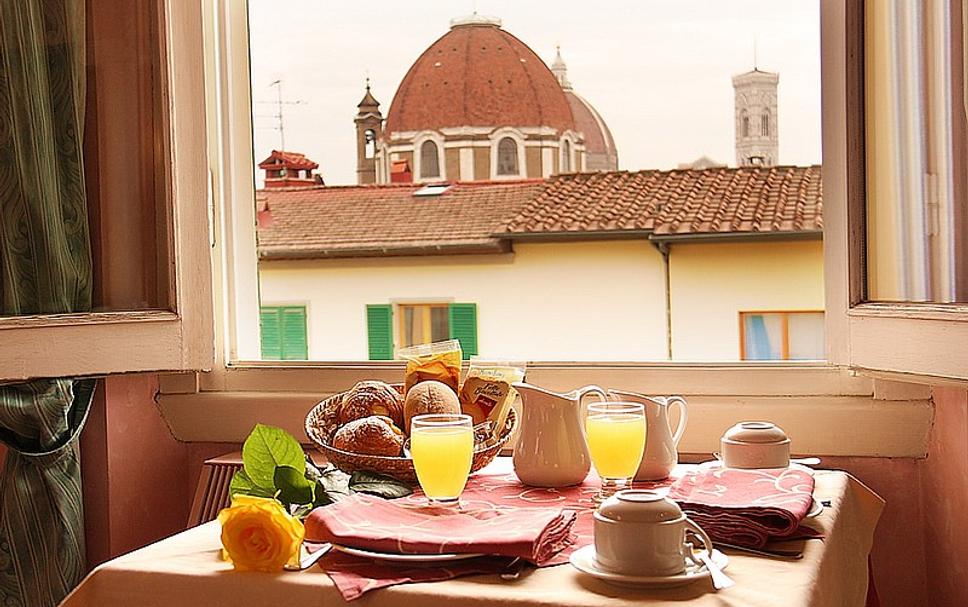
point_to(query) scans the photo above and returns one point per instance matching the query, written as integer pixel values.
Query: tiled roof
(482, 216)
(478, 75)
(291, 160)
(677, 202)
(381, 220)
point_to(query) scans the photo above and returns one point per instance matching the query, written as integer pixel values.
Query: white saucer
(584, 560)
(715, 463)
(399, 557)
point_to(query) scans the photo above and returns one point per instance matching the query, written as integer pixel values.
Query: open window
(895, 180)
(145, 181)
(243, 388)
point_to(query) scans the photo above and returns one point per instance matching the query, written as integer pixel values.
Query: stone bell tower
(369, 131)
(757, 135)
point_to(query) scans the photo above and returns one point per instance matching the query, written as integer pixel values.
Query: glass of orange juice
(615, 432)
(442, 447)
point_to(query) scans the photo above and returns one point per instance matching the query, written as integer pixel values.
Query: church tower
(369, 130)
(757, 135)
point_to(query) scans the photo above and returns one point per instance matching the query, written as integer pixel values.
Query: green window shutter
(294, 342)
(270, 330)
(379, 331)
(463, 327)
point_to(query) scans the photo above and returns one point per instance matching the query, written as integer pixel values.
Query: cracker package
(439, 361)
(487, 394)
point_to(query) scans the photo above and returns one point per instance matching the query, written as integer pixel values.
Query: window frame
(426, 311)
(495, 142)
(222, 405)
(910, 341)
(180, 336)
(418, 143)
(785, 324)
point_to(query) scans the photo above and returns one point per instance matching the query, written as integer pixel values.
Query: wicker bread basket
(320, 426)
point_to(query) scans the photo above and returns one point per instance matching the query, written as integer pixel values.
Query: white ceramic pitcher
(661, 444)
(551, 449)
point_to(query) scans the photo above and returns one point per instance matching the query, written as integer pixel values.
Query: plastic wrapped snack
(486, 394)
(439, 361)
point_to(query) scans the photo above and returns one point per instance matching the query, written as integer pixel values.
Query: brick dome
(477, 74)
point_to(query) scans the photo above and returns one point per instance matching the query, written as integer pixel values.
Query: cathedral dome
(600, 152)
(477, 74)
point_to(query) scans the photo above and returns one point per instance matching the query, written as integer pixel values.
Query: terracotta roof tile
(292, 160)
(383, 220)
(482, 216)
(678, 202)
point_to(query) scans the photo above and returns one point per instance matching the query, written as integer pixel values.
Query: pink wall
(944, 500)
(135, 491)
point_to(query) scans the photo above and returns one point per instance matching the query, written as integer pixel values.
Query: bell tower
(369, 131)
(757, 132)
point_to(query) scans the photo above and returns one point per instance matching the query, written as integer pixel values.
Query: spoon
(791, 555)
(720, 579)
(310, 559)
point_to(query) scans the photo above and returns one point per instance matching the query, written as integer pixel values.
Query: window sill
(821, 407)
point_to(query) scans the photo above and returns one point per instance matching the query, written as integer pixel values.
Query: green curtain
(45, 268)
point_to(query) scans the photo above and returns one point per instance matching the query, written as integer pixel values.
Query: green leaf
(293, 486)
(379, 485)
(265, 449)
(332, 485)
(241, 483)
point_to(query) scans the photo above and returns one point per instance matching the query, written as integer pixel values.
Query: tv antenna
(280, 103)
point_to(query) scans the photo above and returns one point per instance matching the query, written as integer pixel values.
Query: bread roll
(429, 397)
(374, 435)
(371, 398)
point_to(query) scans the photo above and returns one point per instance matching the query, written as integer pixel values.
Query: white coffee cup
(755, 444)
(643, 533)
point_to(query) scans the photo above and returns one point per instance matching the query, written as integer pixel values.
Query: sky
(658, 71)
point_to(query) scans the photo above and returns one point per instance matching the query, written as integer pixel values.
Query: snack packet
(439, 361)
(486, 394)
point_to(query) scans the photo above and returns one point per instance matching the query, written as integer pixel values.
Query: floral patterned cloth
(373, 523)
(746, 507)
(497, 490)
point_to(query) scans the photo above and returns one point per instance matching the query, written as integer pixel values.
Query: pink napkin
(372, 523)
(747, 507)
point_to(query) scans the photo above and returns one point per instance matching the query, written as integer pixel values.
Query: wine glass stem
(610, 486)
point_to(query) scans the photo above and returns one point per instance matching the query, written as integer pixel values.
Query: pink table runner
(372, 523)
(747, 507)
(501, 490)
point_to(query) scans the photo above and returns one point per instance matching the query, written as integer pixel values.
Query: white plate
(584, 560)
(398, 557)
(816, 508)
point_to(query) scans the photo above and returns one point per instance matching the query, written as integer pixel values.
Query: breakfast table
(186, 569)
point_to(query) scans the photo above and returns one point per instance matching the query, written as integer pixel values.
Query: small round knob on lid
(639, 506)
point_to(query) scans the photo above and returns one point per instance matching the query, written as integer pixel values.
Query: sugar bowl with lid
(643, 533)
(755, 444)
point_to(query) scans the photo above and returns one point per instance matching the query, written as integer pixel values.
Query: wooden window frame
(399, 313)
(222, 405)
(178, 337)
(785, 346)
(908, 341)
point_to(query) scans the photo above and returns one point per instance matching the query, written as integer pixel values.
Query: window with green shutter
(462, 319)
(379, 331)
(283, 333)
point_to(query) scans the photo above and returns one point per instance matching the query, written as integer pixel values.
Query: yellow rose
(259, 535)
